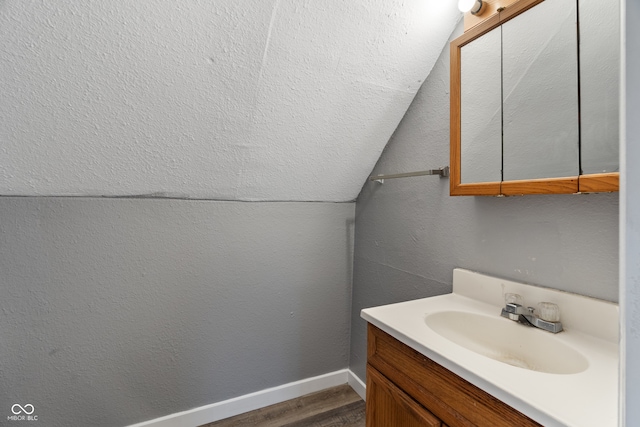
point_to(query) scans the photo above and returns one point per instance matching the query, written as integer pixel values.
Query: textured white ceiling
(236, 99)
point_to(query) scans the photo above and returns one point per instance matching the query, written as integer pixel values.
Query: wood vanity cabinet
(405, 388)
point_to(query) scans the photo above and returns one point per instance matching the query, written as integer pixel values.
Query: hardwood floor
(334, 407)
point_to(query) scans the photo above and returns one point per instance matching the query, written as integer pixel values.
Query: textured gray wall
(116, 311)
(410, 233)
(630, 291)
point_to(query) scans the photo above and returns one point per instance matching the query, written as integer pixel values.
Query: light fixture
(473, 6)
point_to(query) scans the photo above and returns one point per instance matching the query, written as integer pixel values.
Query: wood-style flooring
(333, 407)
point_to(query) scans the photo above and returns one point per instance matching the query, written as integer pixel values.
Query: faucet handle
(549, 311)
(511, 298)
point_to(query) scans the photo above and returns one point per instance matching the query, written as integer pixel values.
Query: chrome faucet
(548, 318)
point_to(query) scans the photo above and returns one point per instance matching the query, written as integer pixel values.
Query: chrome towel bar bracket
(442, 172)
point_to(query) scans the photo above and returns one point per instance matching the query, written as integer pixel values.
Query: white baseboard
(260, 399)
(357, 384)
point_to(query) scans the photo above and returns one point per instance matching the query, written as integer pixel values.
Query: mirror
(524, 119)
(599, 86)
(481, 109)
(540, 92)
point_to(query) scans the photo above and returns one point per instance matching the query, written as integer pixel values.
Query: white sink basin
(508, 342)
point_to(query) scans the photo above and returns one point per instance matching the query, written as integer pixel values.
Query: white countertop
(587, 398)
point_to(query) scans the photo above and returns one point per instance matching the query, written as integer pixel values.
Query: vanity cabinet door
(400, 380)
(387, 405)
(540, 93)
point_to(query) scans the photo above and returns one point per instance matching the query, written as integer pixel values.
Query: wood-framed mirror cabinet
(533, 109)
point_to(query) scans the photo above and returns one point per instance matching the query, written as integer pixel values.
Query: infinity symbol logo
(27, 409)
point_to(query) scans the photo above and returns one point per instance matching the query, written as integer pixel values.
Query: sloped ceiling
(235, 99)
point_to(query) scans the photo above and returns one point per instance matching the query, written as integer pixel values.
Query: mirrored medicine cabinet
(534, 100)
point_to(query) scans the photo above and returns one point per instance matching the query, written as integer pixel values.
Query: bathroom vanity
(453, 360)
